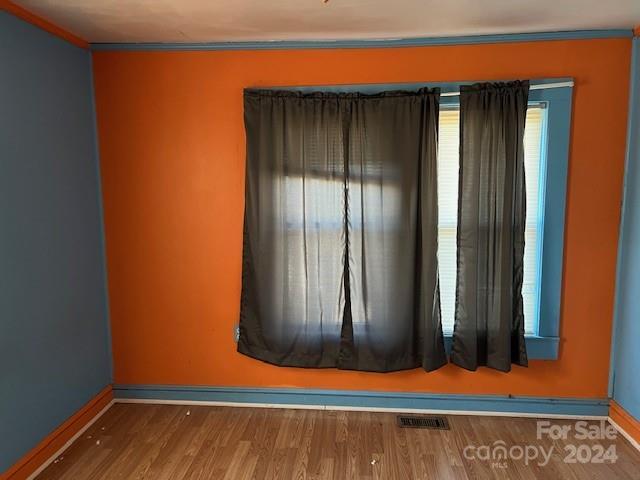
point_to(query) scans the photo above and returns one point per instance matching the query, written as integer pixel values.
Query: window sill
(538, 348)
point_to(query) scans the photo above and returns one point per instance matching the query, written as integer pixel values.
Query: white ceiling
(246, 20)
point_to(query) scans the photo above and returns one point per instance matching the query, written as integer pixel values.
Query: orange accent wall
(58, 438)
(44, 24)
(172, 159)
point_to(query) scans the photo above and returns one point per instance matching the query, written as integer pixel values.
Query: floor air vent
(434, 423)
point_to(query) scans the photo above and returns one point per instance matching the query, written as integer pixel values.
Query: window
(547, 136)
(448, 163)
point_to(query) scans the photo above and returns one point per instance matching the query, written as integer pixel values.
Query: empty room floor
(209, 442)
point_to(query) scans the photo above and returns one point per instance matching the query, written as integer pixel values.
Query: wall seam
(103, 238)
(635, 46)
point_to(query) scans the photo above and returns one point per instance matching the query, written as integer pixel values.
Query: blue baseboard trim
(365, 399)
(382, 43)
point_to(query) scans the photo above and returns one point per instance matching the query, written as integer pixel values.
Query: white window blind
(448, 165)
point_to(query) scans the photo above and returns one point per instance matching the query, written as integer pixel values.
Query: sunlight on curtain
(448, 164)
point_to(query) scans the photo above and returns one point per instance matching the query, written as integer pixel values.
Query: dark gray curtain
(489, 319)
(340, 240)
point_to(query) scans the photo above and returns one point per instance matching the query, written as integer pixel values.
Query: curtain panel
(340, 232)
(489, 318)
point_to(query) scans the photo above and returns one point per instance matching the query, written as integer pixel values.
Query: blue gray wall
(626, 367)
(54, 337)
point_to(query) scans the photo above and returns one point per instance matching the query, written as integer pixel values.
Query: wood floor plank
(173, 442)
(303, 449)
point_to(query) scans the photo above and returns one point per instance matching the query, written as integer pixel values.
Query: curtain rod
(539, 86)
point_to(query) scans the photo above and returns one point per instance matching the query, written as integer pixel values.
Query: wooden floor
(134, 441)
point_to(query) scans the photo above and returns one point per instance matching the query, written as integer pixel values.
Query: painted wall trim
(625, 434)
(63, 448)
(382, 43)
(57, 441)
(624, 422)
(364, 400)
(42, 23)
